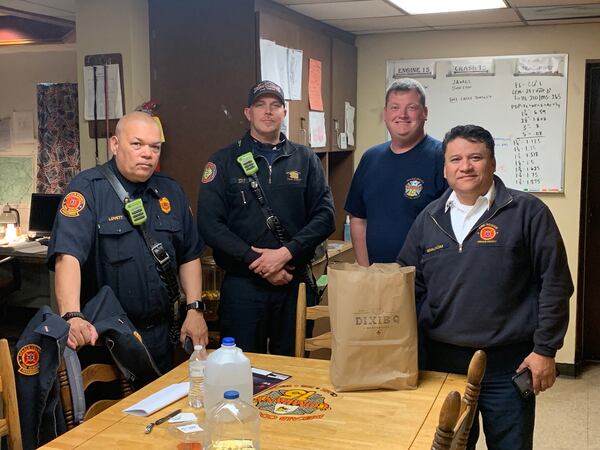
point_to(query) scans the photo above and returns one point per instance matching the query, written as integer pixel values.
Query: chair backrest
(469, 400)
(10, 425)
(304, 313)
(93, 373)
(444, 433)
(456, 416)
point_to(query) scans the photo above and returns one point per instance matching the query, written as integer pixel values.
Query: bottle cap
(231, 395)
(228, 341)
(198, 347)
(348, 220)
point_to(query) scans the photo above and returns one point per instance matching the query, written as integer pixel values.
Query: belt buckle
(271, 225)
(160, 255)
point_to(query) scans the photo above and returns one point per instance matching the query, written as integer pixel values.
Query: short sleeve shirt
(92, 226)
(390, 190)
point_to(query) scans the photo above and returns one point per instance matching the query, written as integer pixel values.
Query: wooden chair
(456, 416)
(10, 425)
(93, 373)
(304, 313)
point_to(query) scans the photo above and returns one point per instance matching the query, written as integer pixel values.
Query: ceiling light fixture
(444, 6)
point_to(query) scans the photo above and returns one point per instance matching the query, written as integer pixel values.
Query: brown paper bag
(374, 326)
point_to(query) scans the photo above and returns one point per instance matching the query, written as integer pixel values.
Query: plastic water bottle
(227, 369)
(196, 368)
(347, 236)
(234, 424)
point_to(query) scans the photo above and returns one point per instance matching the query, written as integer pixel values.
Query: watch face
(197, 305)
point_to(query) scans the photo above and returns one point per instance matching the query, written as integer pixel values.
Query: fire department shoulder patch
(210, 172)
(28, 359)
(72, 204)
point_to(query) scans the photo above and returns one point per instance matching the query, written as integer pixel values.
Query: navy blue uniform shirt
(390, 190)
(91, 226)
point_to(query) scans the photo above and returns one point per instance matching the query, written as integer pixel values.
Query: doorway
(588, 301)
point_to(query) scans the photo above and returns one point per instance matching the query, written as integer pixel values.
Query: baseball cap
(265, 87)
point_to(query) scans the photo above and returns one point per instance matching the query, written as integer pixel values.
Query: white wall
(113, 26)
(581, 42)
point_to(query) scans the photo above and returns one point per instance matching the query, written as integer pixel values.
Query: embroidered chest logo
(165, 205)
(28, 359)
(487, 233)
(294, 402)
(72, 204)
(293, 175)
(210, 172)
(413, 188)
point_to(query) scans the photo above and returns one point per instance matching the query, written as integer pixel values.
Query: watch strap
(197, 305)
(72, 315)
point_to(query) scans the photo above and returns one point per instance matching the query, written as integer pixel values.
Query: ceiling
(381, 16)
(37, 22)
(53, 21)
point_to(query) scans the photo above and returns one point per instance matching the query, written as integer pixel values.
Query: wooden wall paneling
(203, 62)
(341, 168)
(343, 83)
(313, 44)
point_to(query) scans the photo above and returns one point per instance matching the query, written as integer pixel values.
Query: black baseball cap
(263, 88)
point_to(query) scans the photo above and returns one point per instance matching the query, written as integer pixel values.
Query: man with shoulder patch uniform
(264, 205)
(395, 180)
(491, 274)
(96, 241)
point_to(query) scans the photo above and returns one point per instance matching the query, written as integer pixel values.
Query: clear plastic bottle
(347, 236)
(227, 368)
(234, 424)
(197, 365)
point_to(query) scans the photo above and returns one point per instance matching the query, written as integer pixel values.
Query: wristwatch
(198, 305)
(72, 315)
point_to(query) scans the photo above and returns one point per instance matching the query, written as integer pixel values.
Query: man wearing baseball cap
(263, 206)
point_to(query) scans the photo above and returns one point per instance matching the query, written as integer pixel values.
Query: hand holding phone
(523, 381)
(188, 346)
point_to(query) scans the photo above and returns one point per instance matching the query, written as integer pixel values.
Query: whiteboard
(520, 100)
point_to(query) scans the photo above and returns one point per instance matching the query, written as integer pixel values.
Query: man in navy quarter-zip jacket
(492, 274)
(259, 291)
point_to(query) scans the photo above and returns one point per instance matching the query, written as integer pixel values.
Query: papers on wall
(22, 127)
(349, 122)
(113, 92)
(285, 124)
(315, 99)
(5, 134)
(316, 123)
(283, 66)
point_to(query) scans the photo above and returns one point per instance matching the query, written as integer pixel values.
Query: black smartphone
(523, 381)
(188, 346)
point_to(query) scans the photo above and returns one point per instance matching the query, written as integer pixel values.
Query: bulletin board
(520, 99)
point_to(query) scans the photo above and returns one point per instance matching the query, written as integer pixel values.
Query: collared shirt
(463, 217)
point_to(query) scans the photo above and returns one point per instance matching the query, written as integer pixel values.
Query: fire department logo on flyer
(294, 402)
(28, 359)
(413, 188)
(210, 172)
(487, 232)
(72, 204)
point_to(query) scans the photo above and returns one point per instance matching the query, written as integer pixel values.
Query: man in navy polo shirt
(395, 180)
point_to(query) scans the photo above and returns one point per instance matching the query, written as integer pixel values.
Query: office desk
(36, 281)
(352, 420)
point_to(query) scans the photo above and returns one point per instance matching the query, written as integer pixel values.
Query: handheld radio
(248, 164)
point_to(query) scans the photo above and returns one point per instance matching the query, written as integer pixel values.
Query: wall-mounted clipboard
(103, 84)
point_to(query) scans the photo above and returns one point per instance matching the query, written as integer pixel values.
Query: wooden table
(353, 420)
